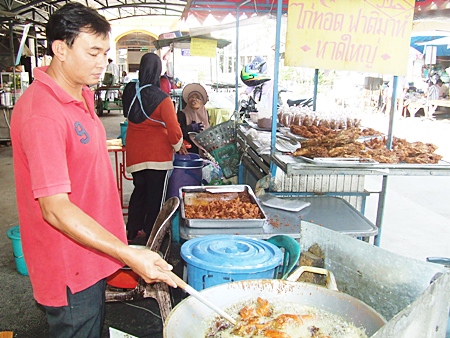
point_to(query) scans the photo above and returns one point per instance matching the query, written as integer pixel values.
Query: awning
(220, 9)
(437, 42)
(424, 9)
(184, 42)
(419, 43)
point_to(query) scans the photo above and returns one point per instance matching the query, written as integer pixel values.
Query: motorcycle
(250, 105)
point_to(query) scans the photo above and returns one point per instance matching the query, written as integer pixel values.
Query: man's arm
(73, 222)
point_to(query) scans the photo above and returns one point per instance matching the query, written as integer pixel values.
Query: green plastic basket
(228, 159)
(218, 136)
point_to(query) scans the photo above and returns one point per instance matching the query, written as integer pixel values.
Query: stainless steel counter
(330, 212)
(296, 166)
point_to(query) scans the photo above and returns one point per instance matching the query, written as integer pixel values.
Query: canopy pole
(236, 64)
(382, 196)
(217, 72)
(11, 45)
(273, 167)
(316, 84)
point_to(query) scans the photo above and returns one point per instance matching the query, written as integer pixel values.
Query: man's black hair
(70, 20)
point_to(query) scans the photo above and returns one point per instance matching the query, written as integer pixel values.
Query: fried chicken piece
(370, 132)
(313, 129)
(348, 150)
(376, 143)
(311, 152)
(244, 329)
(263, 307)
(383, 155)
(281, 320)
(424, 159)
(275, 334)
(246, 312)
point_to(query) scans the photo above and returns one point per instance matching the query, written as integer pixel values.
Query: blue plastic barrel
(14, 235)
(218, 259)
(123, 131)
(187, 171)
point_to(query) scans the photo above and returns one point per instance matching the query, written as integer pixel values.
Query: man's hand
(149, 265)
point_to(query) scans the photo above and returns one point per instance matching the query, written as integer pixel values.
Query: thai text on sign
(203, 47)
(360, 35)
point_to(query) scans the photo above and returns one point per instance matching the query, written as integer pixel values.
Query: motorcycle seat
(299, 102)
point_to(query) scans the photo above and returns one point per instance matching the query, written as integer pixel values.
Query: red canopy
(221, 8)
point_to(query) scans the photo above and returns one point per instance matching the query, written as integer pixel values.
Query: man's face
(85, 61)
(195, 101)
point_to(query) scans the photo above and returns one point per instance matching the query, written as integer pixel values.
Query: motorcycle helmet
(252, 77)
(254, 73)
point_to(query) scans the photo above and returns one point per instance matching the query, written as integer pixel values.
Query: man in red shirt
(72, 229)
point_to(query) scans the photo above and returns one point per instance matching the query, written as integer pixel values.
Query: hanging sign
(185, 52)
(203, 47)
(359, 35)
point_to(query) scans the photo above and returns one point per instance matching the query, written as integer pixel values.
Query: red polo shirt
(60, 147)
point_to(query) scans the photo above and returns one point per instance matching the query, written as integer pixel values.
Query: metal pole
(11, 45)
(380, 210)
(273, 167)
(236, 102)
(392, 113)
(217, 71)
(382, 196)
(316, 84)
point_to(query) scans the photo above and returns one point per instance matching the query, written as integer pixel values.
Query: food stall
(300, 176)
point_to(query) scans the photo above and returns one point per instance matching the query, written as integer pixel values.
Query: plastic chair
(291, 250)
(161, 234)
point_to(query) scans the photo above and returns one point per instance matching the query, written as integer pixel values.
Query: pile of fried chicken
(254, 321)
(240, 207)
(345, 144)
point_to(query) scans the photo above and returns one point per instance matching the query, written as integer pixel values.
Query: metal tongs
(194, 293)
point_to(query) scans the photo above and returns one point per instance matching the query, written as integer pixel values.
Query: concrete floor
(416, 224)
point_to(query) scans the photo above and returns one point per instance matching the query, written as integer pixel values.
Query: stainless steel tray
(339, 161)
(188, 191)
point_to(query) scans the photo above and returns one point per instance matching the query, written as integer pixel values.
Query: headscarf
(149, 73)
(201, 115)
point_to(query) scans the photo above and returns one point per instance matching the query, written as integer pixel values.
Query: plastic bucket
(14, 236)
(123, 131)
(218, 259)
(187, 171)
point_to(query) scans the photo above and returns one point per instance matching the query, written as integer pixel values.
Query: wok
(191, 319)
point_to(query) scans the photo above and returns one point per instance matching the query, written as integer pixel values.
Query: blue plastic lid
(189, 160)
(14, 232)
(231, 254)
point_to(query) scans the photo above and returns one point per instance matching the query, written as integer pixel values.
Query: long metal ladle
(194, 293)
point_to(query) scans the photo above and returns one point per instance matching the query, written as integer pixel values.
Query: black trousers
(146, 200)
(83, 316)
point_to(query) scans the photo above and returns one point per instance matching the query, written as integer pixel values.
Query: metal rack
(326, 176)
(323, 210)
(295, 166)
(349, 186)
